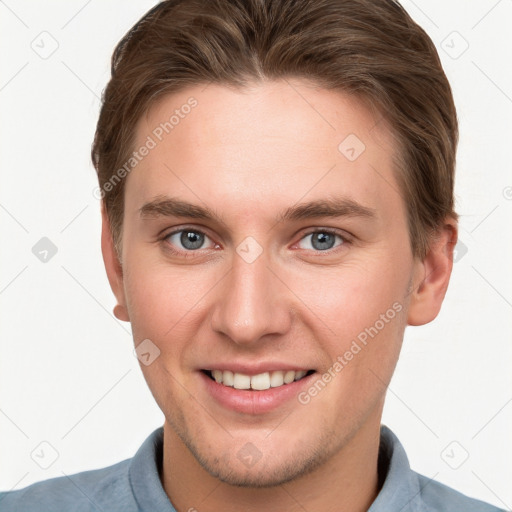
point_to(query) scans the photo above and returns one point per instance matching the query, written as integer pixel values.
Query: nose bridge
(251, 302)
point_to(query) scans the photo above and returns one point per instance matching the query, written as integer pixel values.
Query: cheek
(161, 299)
(165, 307)
(350, 298)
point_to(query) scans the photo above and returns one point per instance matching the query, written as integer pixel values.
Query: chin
(273, 465)
(271, 474)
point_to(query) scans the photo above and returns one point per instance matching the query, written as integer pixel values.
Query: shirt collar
(144, 474)
(401, 490)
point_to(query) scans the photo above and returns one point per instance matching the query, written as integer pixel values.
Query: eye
(187, 239)
(321, 240)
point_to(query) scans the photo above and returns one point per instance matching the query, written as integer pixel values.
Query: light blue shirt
(133, 485)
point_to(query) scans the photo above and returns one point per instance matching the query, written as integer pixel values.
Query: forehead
(266, 146)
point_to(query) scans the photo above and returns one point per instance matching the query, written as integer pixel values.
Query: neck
(347, 481)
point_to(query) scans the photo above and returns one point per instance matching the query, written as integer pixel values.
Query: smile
(259, 382)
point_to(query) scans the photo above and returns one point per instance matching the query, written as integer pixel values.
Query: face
(265, 246)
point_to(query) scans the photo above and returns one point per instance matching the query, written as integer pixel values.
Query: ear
(432, 275)
(113, 266)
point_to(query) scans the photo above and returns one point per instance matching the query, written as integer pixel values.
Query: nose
(251, 303)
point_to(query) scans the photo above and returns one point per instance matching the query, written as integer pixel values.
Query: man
(277, 202)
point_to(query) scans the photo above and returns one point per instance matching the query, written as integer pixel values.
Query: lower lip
(254, 402)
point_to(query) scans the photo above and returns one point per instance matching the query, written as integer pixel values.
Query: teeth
(300, 374)
(241, 381)
(259, 382)
(276, 379)
(289, 376)
(228, 378)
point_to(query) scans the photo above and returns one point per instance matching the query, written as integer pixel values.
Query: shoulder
(117, 488)
(406, 490)
(101, 489)
(441, 498)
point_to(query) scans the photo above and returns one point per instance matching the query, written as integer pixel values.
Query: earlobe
(113, 267)
(432, 275)
(121, 313)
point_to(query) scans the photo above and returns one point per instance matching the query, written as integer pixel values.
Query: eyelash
(192, 253)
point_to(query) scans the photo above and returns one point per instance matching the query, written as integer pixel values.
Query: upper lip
(255, 368)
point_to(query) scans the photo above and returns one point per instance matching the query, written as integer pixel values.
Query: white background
(68, 376)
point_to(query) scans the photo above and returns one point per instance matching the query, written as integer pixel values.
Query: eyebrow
(328, 207)
(163, 206)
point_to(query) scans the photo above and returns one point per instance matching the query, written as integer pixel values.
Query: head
(277, 193)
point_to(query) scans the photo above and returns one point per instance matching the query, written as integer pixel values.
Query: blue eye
(186, 241)
(189, 239)
(322, 240)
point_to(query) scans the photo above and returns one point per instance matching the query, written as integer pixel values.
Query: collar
(401, 491)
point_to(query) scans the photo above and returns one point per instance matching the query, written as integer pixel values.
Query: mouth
(260, 382)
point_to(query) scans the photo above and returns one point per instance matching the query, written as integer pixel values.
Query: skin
(248, 155)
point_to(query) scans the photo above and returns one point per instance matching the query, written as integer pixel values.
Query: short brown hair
(368, 48)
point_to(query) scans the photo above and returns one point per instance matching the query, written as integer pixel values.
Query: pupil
(191, 240)
(322, 241)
